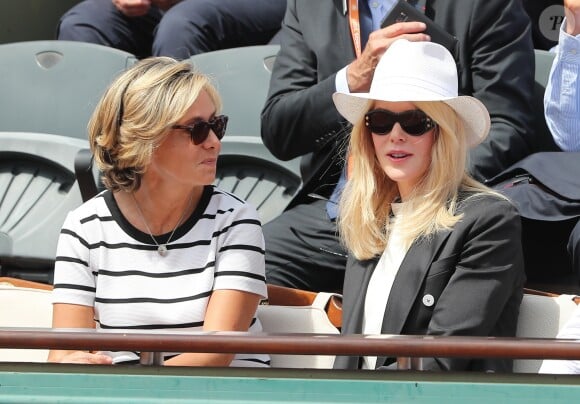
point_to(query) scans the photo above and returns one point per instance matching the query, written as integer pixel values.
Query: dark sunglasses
(199, 131)
(414, 122)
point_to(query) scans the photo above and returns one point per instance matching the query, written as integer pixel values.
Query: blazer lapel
(356, 280)
(407, 283)
(356, 283)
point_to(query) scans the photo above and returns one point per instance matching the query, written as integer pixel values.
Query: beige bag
(297, 311)
(24, 304)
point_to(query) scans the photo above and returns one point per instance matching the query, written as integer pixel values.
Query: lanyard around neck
(354, 23)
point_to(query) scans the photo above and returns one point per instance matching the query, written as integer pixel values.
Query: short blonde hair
(135, 114)
(365, 205)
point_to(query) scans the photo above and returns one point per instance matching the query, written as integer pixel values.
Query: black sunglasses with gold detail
(414, 122)
(199, 131)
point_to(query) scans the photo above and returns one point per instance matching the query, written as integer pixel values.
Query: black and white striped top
(105, 262)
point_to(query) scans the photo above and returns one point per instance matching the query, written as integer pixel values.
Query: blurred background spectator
(176, 28)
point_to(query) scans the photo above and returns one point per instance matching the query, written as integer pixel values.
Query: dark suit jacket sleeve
(483, 294)
(299, 116)
(502, 74)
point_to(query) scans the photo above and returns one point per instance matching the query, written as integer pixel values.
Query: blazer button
(428, 300)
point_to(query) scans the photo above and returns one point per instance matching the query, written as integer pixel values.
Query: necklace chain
(161, 248)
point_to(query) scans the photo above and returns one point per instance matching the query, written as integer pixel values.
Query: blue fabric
(378, 9)
(332, 204)
(562, 98)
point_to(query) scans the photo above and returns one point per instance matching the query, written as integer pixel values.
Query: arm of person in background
(299, 116)
(360, 72)
(501, 56)
(572, 11)
(562, 98)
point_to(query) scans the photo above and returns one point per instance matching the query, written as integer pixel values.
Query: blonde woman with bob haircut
(431, 250)
(161, 248)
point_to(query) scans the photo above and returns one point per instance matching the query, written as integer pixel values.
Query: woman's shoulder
(478, 203)
(224, 201)
(93, 206)
(221, 196)
(87, 213)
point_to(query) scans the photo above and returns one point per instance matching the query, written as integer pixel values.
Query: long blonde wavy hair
(135, 114)
(365, 204)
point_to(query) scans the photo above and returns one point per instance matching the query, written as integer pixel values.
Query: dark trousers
(303, 250)
(190, 27)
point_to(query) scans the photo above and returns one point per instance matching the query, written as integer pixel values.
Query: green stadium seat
(54, 86)
(37, 190)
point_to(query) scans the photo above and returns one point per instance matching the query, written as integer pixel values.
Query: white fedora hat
(417, 71)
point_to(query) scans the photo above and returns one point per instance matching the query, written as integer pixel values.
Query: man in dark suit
(494, 55)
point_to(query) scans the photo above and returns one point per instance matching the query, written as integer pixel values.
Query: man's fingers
(401, 28)
(416, 37)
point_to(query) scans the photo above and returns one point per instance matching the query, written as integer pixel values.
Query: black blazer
(495, 56)
(465, 281)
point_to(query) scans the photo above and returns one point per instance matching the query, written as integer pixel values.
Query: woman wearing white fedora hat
(431, 250)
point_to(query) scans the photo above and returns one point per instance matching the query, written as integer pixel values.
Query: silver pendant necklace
(162, 248)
